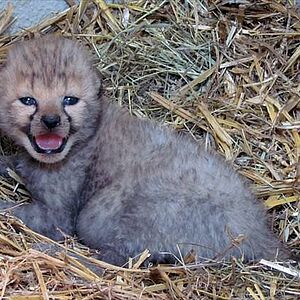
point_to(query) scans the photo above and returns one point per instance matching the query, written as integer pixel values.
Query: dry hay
(226, 72)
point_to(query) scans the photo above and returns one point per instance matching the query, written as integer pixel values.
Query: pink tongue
(49, 141)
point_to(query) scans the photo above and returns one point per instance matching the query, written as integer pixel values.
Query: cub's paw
(117, 257)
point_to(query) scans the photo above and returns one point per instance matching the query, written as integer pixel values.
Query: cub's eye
(69, 100)
(28, 101)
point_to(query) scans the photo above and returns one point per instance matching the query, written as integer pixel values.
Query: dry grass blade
(41, 281)
(274, 201)
(6, 18)
(219, 132)
(201, 78)
(172, 107)
(108, 15)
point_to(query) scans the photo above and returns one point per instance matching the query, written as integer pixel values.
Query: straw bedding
(225, 72)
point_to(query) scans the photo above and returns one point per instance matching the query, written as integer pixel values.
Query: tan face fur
(48, 98)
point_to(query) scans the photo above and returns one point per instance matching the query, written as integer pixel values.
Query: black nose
(50, 121)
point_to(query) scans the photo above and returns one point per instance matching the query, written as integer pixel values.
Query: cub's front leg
(52, 221)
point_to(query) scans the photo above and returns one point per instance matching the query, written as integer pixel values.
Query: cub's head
(48, 97)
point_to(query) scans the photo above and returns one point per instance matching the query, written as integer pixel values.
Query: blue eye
(70, 100)
(28, 101)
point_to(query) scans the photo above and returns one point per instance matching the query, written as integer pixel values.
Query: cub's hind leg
(122, 222)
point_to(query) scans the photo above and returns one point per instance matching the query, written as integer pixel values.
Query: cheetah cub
(118, 183)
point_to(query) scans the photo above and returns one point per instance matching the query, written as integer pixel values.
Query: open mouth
(49, 143)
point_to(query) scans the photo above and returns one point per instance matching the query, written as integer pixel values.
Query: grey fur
(127, 184)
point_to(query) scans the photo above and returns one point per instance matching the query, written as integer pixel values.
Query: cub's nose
(50, 121)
